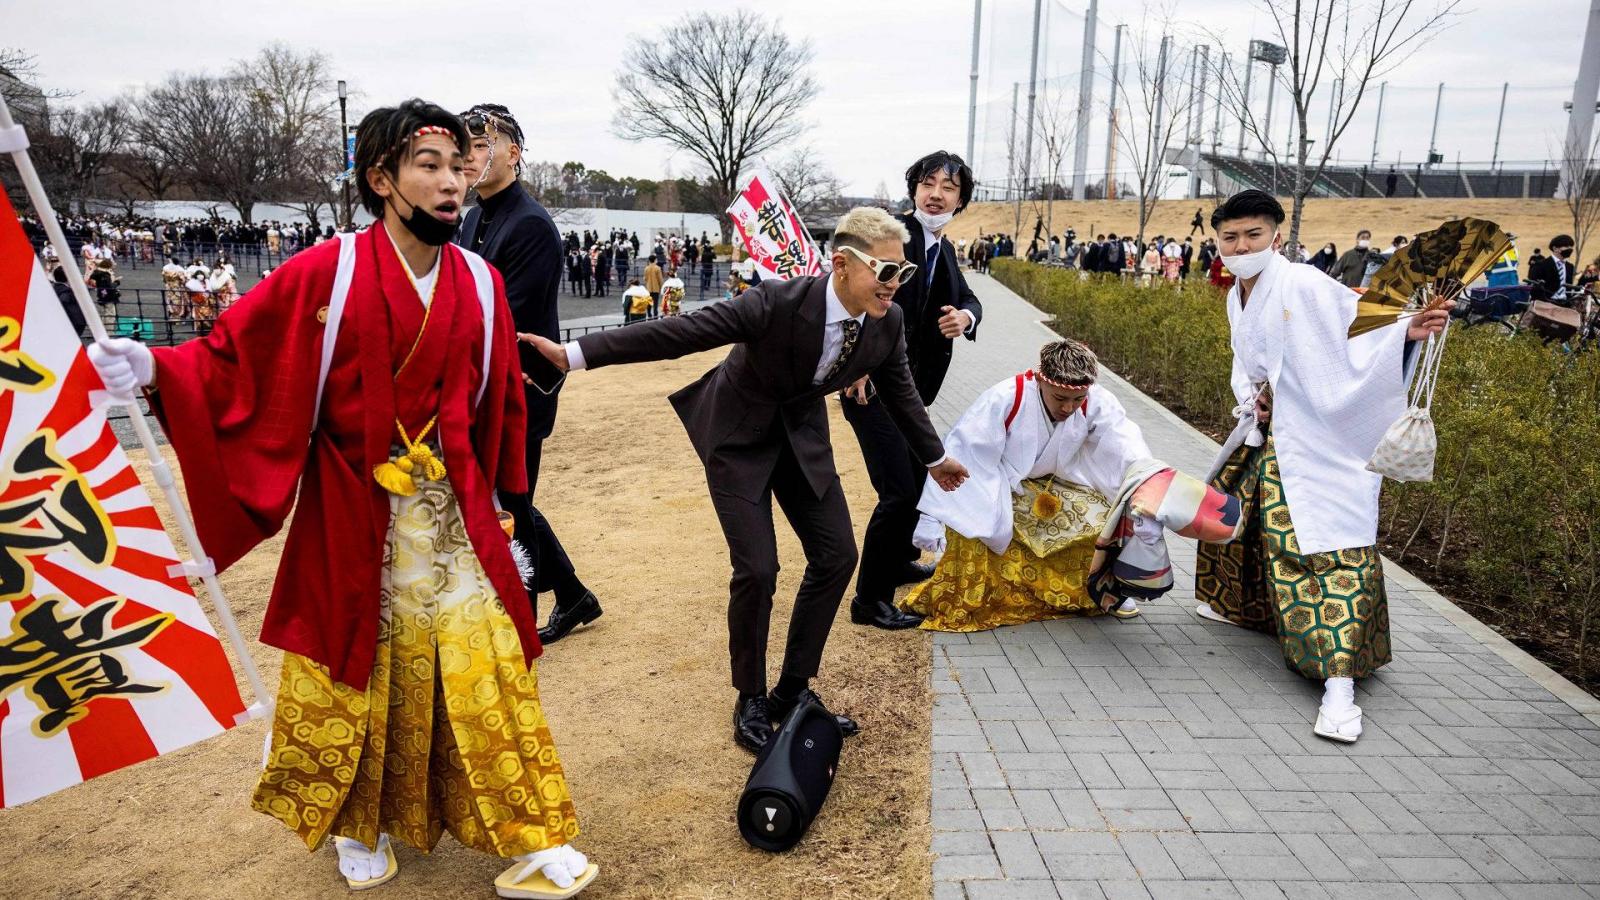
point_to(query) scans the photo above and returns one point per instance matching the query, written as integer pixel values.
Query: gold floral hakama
(1329, 610)
(1043, 575)
(449, 733)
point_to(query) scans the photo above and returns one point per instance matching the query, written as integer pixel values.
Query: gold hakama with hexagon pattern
(449, 733)
(1328, 610)
(975, 589)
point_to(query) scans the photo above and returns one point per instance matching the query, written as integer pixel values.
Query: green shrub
(1511, 521)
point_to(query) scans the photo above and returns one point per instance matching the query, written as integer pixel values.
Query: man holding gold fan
(1313, 405)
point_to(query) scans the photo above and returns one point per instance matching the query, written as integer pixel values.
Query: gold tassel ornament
(401, 474)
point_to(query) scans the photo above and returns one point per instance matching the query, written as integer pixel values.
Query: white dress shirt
(833, 333)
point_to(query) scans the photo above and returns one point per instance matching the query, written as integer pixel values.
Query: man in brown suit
(759, 424)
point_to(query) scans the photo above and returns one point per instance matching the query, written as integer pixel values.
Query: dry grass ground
(639, 705)
(1533, 221)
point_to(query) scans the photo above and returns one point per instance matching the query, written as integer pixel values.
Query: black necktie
(933, 256)
(852, 331)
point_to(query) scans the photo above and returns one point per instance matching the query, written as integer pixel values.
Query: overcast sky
(894, 75)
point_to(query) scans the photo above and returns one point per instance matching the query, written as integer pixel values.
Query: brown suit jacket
(733, 412)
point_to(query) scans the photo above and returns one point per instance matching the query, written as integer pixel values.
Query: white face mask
(1249, 265)
(1363, 243)
(931, 222)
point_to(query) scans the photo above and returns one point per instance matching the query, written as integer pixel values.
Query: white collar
(929, 239)
(836, 310)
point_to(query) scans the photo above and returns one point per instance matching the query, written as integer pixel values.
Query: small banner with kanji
(106, 658)
(771, 231)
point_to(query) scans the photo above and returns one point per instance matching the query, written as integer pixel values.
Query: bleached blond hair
(1068, 362)
(867, 225)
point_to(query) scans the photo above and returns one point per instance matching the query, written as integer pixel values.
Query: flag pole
(13, 140)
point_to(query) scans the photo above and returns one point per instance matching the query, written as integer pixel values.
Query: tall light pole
(1579, 142)
(1080, 148)
(1033, 87)
(1111, 125)
(344, 151)
(972, 92)
(1433, 136)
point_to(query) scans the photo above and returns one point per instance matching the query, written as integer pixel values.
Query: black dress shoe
(752, 722)
(882, 614)
(781, 708)
(565, 618)
(914, 572)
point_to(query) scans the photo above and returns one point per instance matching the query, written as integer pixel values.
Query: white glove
(1148, 529)
(929, 535)
(124, 365)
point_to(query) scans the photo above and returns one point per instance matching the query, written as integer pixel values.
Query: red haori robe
(237, 406)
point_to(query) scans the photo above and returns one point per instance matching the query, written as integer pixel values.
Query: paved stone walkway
(1171, 757)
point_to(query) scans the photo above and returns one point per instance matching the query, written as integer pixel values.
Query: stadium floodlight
(1269, 53)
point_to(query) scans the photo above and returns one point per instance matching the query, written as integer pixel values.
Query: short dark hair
(935, 163)
(1562, 240)
(1248, 204)
(384, 137)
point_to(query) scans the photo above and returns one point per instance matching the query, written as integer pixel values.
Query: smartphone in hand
(546, 377)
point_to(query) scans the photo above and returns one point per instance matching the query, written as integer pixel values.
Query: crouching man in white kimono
(1313, 405)
(1045, 449)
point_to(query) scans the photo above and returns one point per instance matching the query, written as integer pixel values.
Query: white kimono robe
(1093, 447)
(1332, 398)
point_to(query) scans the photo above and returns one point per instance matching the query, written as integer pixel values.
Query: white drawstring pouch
(1408, 448)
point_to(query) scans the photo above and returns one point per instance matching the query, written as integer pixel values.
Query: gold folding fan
(1429, 272)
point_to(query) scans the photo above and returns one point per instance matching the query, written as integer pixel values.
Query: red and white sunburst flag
(106, 658)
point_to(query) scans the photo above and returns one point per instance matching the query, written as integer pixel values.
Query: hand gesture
(949, 474)
(1425, 325)
(1264, 407)
(858, 390)
(953, 322)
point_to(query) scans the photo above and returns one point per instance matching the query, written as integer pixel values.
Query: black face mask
(425, 226)
(1564, 252)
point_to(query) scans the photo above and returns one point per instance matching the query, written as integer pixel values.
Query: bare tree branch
(723, 88)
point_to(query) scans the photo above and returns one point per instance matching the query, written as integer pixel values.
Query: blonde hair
(864, 226)
(1068, 362)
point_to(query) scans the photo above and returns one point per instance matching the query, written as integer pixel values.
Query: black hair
(59, 275)
(1561, 240)
(1248, 204)
(935, 163)
(384, 136)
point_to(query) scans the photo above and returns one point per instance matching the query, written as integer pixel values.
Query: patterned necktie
(852, 331)
(933, 258)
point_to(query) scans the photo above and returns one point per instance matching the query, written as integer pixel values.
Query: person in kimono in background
(1313, 405)
(1053, 422)
(408, 703)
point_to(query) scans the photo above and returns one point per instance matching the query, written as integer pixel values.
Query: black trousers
(552, 569)
(898, 476)
(823, 526)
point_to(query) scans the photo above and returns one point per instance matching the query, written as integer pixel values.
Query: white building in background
(646, 224)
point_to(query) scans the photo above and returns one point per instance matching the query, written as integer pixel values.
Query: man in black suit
(937, 307)
(758, 422)
(1550, 276)
(517, 236)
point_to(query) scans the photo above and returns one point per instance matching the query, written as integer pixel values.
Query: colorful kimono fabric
(1125, 566)
(449, 733)
(176, 295)
(1043, 573)
(1329, 610)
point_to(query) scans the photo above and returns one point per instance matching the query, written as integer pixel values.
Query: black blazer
(734, 411)
(523, 242)
(1546, 278)
(927, 350)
